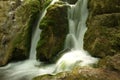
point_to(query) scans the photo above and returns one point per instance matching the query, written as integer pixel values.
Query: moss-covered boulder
(110, 62)
(83, 74)
(99, 7)
(103, 35)
(16, 29)
(54, 28)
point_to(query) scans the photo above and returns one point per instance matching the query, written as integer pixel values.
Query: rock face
(112, 63)
(54, 28)
(16, 22)
(103, 35)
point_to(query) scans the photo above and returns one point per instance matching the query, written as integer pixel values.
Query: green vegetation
(54, 30)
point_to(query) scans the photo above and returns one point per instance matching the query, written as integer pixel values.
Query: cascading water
(77, 16)
(26, 70)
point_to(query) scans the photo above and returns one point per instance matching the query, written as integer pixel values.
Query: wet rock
(103, 34)
(99, 7)
(54, 28)
(16, 29)
(82, 74)
(44, 3)
(111, 62)
(70, 1)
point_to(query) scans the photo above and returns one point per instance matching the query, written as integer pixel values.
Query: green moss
(82, 74)
(110, 62)
(24, 37)
(54, 31)
(102, 37)
(70, 1)
(104, 7)
(46, 3)
(26, 17)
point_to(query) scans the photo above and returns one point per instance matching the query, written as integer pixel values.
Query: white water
(77, 16)
(26, 70)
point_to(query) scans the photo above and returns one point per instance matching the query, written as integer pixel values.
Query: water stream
(26, 70)
(77, 16)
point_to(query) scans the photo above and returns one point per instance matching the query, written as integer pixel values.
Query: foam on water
(74, 58)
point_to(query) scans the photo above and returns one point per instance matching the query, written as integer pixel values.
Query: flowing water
(77, 16)
(26, 70)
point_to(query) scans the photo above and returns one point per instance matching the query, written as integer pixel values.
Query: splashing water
(26, 70)
(77, 16)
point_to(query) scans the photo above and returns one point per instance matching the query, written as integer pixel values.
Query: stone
(16, 29)
(54, 28)
(111, 62)
(103, 34)
(82, 74)
(70, 1)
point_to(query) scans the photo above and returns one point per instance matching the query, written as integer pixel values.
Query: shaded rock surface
(70, 1)
(103, 35)
(82, 74)
(111, 63)
(54, 28)
(16, 22)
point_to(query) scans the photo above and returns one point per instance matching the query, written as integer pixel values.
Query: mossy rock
(103, 34)
(54, 28)
(82, 74)
(98, 7)
(70, 1)
(22, 41)
(110, 62)
(16, 38)
(44, 3)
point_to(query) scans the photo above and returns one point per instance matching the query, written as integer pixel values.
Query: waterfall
(26, 70)
(35, 39)
(77, 16)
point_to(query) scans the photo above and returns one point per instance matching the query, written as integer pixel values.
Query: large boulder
(103, 35)
(54, 28)
(16, 28)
